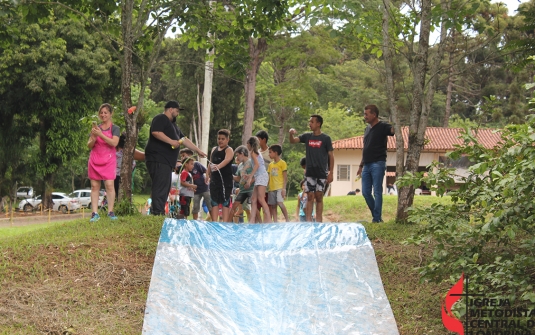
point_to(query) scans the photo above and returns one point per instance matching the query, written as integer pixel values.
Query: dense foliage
(487, 231)
(310, 68)
(51, 76)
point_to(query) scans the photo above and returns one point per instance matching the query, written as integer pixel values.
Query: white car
(62, 202)
(25, 192)
(84, 196)
(29, 204)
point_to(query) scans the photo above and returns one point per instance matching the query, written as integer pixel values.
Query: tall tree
(425, 72)
(17, 131)
(51, 76)
(206, 108)
(243, 29)
(475, 56)
(181, 72)
(405, 30)
(522, 42)
(143, 28)
(290, 64)
(134, 31)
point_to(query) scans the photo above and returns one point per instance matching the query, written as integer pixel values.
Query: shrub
(487, 231)
(126, 207)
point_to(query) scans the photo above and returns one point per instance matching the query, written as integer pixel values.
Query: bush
(126, 207)
(487, 231)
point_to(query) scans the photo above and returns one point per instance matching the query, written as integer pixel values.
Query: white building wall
(349, 157)
(353, 157)
(426, 158)
(391, 158)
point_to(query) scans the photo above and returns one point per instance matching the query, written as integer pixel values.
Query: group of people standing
(261, 173)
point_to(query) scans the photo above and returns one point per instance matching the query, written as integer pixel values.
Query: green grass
(354, 208)
(13, 231)
(95, 277)
(140, 199)
(91, 276)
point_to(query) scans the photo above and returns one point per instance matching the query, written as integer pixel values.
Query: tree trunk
(282, 122)
(125, 189)
(84, 178)
(199, 111)
(48, 177)
(47, 201)
(447, 109)
(257, 47)
(206, 105)
(195, 136)
(418, 67)
(204, 119)
(422, 100)
(129, 32)
(198, 125)
(390, 92)
(126, 97)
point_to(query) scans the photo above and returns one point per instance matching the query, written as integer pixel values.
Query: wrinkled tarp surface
(285, 278)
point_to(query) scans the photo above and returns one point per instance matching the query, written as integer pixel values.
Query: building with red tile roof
(438, 141)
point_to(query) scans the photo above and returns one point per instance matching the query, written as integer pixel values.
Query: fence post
(12, 210)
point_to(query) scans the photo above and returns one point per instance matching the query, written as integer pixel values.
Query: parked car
(29, 204)
(84, 196)
(62, 202)
(25, 192)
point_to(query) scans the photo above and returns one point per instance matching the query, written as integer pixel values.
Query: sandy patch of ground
(27, 218)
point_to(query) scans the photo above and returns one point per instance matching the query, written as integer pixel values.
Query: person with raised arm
(373, 165)
(319, 164)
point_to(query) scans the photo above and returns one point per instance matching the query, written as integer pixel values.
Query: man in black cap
(162, 151)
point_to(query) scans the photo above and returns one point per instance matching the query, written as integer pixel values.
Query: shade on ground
(290, 278)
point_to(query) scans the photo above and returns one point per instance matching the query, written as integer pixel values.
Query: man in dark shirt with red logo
(373, 164)
(319, 164)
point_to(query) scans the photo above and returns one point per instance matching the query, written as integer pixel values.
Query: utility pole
(207, 98)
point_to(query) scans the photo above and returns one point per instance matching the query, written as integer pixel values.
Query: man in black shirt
(373, 164)
(161, 154)
(319, 164)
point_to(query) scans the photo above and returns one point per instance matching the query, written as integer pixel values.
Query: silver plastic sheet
(286, 278)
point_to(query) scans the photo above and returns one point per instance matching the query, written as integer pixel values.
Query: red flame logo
(448, 319)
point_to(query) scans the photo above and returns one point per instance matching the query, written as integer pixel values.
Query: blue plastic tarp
(285, 278)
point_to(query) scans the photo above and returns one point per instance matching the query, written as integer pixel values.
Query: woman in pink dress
(102, 162)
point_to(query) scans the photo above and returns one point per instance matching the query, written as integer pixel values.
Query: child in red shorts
(187, 187)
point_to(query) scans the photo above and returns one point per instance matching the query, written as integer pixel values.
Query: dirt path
(24, 219)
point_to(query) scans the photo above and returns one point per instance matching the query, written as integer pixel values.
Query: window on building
(343, 172)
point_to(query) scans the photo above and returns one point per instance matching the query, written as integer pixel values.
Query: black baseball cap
(173, 104)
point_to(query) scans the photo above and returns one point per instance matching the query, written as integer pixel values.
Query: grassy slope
(93, 278)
